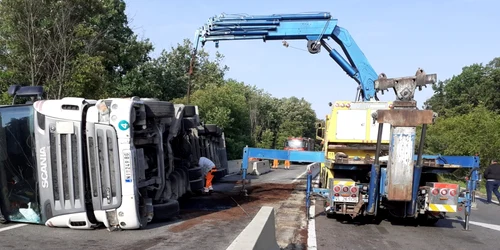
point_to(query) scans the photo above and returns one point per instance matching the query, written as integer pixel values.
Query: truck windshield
(18, 171)
(294, 143)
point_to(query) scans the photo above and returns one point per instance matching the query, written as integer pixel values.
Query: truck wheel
(195, 173)
(174, 180)
(211, 128)
(426, 220)
(166, 210)
(219, 174)
(189, 123)
(183, 180)
(159, 109)
(202, 130)
(189, 111)
(219, 131)
(197, 185)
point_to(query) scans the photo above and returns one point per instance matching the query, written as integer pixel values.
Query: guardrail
(256, 167)
(234, 166)
(259, 234)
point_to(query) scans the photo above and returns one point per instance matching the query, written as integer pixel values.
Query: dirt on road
(222, 208)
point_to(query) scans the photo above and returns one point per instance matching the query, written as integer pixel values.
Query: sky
(397, 37)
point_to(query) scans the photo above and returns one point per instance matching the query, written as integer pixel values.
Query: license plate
(345, 199)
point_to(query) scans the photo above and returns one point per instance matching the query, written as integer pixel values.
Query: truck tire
(189, 111)
(219, 174)
(183, 179)
(159, 109)
(174, 181)
(166, 210)
(197, 185)
(426, 220)
(211, 128)
(202, 130)
(189, 123)
(195, 173)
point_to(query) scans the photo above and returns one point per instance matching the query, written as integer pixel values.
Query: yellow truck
(349, 136)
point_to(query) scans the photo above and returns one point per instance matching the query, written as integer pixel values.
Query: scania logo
(44, 176)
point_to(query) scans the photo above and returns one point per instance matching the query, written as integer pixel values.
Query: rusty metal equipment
(404, 118)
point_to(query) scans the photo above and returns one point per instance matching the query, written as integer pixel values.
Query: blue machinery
(313, 27)
(440, 165)
(404, 118)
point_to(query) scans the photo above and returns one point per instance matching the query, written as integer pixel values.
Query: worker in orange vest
(208, 168)
(275, 163)
(287, 164)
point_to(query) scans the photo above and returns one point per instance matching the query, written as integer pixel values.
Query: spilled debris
(219, 209)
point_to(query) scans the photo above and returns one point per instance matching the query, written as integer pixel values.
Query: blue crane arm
(314, 28)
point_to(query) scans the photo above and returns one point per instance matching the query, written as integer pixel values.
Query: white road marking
(479, 197)
(300, 176)
(311, 228)
(12, 227)
(486, 225)
(311, 225)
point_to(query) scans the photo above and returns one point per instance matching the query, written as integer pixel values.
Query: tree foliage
(78, 48)
(469, 111)
(476, 85)
(86, 49)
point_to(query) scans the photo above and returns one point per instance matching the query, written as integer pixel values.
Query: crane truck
(81, 163)
(300, 144)
(370, 161)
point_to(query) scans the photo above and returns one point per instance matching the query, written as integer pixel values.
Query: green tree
(477, 132)
(297, 118)
(167, 77)
(226, 106)
(476, 85)
(77, 48)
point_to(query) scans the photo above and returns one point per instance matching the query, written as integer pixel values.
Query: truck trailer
(119, 162)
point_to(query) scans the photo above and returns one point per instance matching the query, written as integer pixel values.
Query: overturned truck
(117, 162)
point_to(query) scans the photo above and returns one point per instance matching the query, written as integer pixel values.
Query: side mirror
(15, 91)
(319, 125)
(319, 133)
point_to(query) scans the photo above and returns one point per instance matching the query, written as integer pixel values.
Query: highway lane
(211, 228)
(446, 234)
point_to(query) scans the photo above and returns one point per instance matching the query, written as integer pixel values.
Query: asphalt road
(446, 234)
(197, 233)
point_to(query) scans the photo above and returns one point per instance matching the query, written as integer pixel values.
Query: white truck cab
(117, 162)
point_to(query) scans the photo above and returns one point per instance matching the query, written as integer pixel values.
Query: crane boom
(314, 28)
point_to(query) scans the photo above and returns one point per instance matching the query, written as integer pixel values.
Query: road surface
(446, 234)
(205, 222)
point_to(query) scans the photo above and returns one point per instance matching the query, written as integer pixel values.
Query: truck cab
(299, 144)
(349, 137)
(117, 162)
